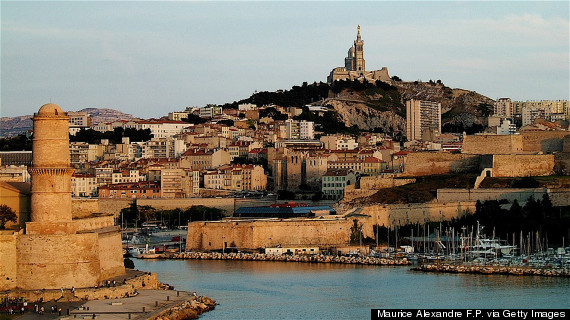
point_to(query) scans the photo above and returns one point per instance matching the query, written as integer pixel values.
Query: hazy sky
(149, 58)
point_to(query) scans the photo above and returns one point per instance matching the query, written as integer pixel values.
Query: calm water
(277, 290)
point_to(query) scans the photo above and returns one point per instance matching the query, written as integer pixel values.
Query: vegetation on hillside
(298, 96)
(134, 214)
(18, 143)
(424, 190)
(552, 223)
(94, 137)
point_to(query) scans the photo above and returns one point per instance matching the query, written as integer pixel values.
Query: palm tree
(6, 214)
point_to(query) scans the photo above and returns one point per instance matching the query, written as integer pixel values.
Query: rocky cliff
(384, 107)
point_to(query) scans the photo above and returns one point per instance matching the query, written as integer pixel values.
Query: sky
(148, 58)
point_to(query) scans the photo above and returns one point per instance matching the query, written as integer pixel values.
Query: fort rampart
(523, 165)
(427, 163)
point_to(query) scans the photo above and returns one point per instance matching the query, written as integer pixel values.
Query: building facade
(423, 119)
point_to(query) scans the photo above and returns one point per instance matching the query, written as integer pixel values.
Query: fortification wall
(383, 181)
(428, 163)
(523, 165)
(543, 141)
(492, 144)
(257, 234)
(8, 265)
(94, 223)
(558, 197)
(110, 254)
(113, 206)
(401, 214)
(82, 208)
(350, 193)
(41, 265)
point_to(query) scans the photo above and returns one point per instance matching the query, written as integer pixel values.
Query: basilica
(355, 66)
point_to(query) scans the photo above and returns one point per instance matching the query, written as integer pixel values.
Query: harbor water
(290, 290)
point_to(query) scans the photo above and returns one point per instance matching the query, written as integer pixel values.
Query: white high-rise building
(307, 130)
(423, 119)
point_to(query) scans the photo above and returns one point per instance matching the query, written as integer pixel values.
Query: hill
(380, 106)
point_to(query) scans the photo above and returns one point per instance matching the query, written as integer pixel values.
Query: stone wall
(8, 258)
(383, 181)
(543, 141)
(492, 144)
(82, 208)
(247, 234)
(523, 165)
(110, 254)
(41, 264)
(428, 163)
(113, 206)
(94, 223)
(558, 197)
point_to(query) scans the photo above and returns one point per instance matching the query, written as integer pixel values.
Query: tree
(355, 232)
(6, 214)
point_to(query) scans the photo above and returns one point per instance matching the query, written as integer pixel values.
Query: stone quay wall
(523, 165)
(253, 234)
(429, 163)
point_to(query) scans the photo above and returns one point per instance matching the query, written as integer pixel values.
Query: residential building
(83, 185)
(179, 183)
(210, 111)
(13, 173)
(503, 108)
(306, 130)
(78, 121)
(423, 119)
(334, 182)
(131, 190)
(200, 159)
(178, 115)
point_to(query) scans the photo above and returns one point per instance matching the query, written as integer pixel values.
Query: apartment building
(423, 119)
(131, 190)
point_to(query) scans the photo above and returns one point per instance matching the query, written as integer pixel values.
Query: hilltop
(380, 106)
(14, 125)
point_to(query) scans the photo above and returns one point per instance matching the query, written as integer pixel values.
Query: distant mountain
(106, 115)
(11, 126)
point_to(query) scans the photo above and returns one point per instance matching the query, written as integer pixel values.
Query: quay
(136, 295)
(317, 258)
(491, 269)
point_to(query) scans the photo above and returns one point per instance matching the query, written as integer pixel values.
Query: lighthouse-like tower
(57, 250)
(51, 172)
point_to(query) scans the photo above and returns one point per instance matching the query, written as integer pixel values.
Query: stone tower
(57, 250)
(50, 171)
(355, 59)
(359, 64)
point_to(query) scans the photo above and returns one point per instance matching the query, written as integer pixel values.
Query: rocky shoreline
(189, 309)
(318, 258)
(508, 270)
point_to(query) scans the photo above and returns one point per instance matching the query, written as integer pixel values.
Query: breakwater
(508, 270)
(189, 309)
(318, 258)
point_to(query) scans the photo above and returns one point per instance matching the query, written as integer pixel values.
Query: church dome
(50, 109)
